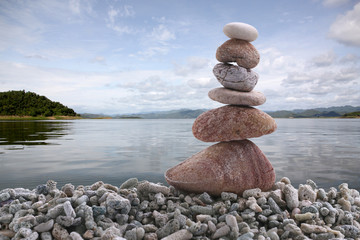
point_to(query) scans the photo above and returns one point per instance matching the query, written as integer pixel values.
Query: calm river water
(85, 151)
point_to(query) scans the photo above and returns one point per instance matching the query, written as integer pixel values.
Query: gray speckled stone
(235, 77)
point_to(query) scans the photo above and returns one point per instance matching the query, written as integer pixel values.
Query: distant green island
(29, 105)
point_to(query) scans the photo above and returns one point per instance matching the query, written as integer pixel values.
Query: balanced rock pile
(235, 164)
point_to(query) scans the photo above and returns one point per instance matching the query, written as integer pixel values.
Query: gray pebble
(273, 223)
(206, 198)
(262, 218)
(324, 211)
(350, 231)
(208, 210)
(246, 236)
(198, 228)
(98, 210)
(312, 184)
(55, 211)
(228, 196)
(6, 218)
(310, 209)
(160, 198)
(130, 183)
(4, 197)
(69, 210)
(46, 236)
(255, 192)
(44, 227)
(75, 236)
(65, 221)
(234, 207)
(169, 228)
(148, 187)
(306, 193)
(221, 232)
(291, 196)
(322, 236)
(182, 234)
(273, 206)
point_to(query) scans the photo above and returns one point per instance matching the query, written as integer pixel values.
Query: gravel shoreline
(145, 210)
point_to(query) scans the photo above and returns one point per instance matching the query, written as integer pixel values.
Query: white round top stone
(241, 31)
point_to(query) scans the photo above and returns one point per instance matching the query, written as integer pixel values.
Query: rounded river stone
(235, 77)
(224, 167)
(241, 31)
(228, 96)
(232, 122)
(239, 51)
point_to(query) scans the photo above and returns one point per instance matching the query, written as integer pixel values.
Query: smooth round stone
(224, 167)
(239, 51)
(235, 77)
(228, 96)
(241, 31)
(231, 122)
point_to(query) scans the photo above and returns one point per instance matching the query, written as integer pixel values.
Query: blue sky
(118, 57)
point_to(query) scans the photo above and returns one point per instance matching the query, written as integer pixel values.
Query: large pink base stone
(224, 167)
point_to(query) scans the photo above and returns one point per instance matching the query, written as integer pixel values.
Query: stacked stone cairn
(235, 164)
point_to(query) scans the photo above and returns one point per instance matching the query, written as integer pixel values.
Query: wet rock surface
(145, 210)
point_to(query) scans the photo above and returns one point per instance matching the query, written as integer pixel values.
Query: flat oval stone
(228, 96)
(239, 51)
(224, 167)
(231, 122)
(241, 31)
(235, 77)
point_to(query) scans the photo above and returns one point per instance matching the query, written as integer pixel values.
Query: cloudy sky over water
(118, 57)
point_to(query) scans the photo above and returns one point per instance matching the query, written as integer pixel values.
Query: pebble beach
(145, 210)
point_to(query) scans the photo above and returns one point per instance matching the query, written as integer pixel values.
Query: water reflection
(28, 133)
(85, 151)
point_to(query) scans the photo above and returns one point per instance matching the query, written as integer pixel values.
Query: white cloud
(334, 3)
(153, 50)
(37, 56)
(162, 34)
(325, 59)
(157, 42)
(346, 28)
(111, 93)
(350, 58)
(307, 19)
(127, 11)
(112, 13)
(114, 16)
(74, 6)
(203, 82)
(193, 64)
(98, 59)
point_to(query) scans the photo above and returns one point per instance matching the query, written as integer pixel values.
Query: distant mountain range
(315, 112)
(188, 113)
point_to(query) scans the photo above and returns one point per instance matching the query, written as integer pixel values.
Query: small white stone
(241, 31)
(44, 227)
(181, 234)
(75, 236)
(69, 210)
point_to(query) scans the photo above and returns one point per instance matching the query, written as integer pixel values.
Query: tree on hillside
(21, 103)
